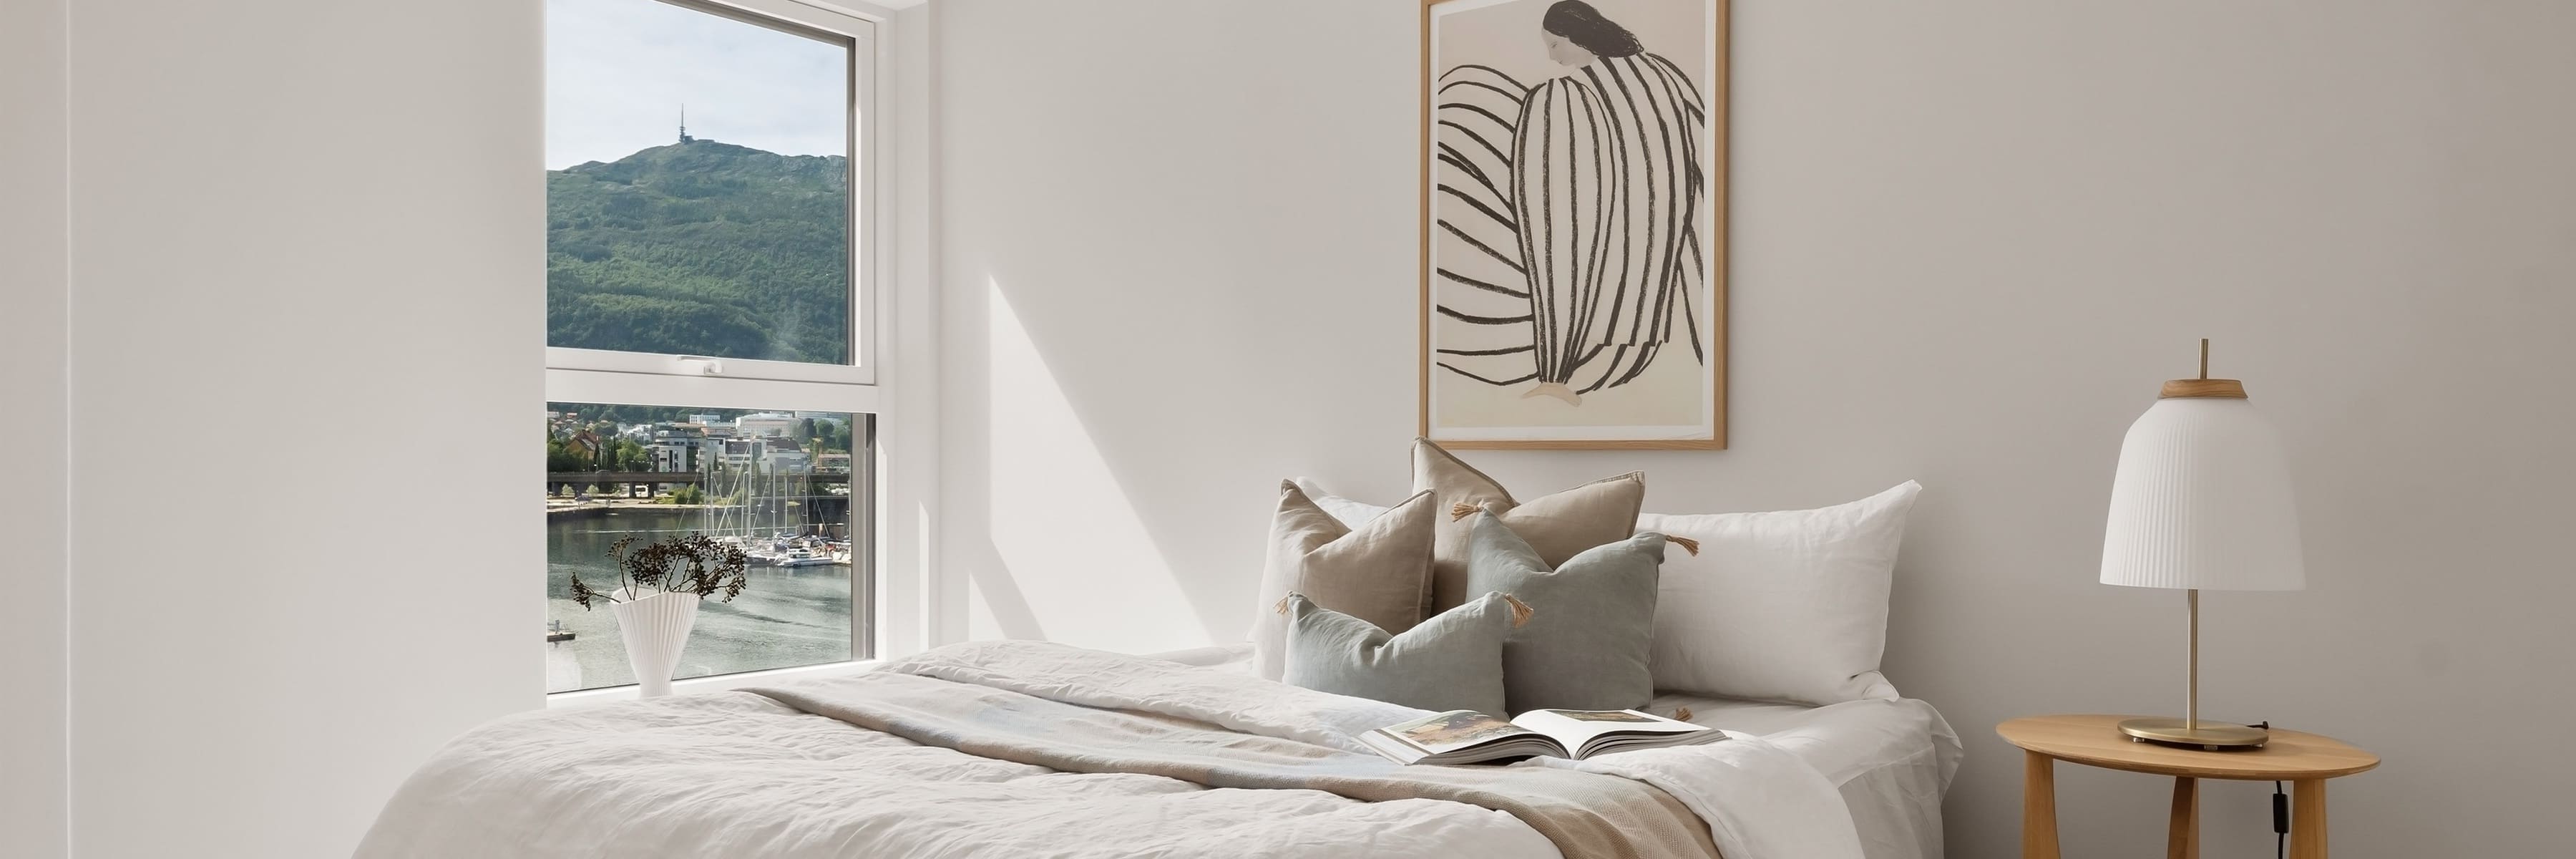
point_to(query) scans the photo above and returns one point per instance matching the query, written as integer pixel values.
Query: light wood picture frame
(1573, 224)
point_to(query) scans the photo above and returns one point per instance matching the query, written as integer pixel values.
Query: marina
(777, 485)
(794, 529)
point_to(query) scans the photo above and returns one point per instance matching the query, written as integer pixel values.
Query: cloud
(617, 72)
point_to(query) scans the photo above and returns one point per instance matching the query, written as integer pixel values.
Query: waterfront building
(783, 459)
(674, 455)
(766, 425)
(743, 453)
(677, 447)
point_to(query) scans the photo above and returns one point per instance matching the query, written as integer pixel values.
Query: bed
(1890, 757)
(1034, 749)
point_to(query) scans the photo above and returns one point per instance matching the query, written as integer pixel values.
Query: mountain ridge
(701, 248)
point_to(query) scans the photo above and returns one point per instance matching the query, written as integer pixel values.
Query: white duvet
(737, 774)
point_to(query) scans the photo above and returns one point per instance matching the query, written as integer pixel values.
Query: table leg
(2308, 819)
(2039, 807)
(2182, 839)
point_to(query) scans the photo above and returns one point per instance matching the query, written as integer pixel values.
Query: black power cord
(2280, 823)
(2280, 813)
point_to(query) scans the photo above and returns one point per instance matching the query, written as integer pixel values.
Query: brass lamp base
(2212, 736)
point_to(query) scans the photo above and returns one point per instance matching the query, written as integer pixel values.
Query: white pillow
(1351, 514)
(1781, 606)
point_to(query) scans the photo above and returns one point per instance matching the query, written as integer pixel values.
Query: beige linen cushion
(1375, 571)
(1557, 526)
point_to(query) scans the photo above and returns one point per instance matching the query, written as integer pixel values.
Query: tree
(565, 456)
(626, 455)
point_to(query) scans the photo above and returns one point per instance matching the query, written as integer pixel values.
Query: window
(788, 487)
(710, 319)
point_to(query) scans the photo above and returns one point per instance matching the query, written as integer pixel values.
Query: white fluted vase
(655, 628)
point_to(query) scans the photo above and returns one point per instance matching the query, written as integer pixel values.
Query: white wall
(315, 208)
(32, 349)
(1969, 241)
(908, 443)
(1154, 216)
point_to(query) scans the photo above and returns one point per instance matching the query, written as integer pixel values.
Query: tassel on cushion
(1687, 544)
(1521, 611)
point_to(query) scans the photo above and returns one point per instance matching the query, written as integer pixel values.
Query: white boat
(803, 558)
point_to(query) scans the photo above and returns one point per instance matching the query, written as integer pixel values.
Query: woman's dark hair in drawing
(1583, 25)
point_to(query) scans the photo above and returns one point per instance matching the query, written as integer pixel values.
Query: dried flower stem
(654, 565)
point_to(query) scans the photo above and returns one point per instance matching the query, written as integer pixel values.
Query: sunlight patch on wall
(1075, 561)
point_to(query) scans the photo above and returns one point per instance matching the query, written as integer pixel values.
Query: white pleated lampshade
(2202, 500)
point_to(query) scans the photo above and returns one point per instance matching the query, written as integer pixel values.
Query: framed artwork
(1574, 223)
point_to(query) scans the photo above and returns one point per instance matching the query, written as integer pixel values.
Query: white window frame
(648, 379)
(867, 74)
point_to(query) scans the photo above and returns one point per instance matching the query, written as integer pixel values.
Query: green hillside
(701, 248)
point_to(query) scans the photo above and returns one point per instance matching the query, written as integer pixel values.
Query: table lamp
(2201, 500)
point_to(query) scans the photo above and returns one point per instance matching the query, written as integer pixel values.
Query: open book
(1468, 737)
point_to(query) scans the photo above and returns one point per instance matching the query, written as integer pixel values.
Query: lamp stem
(2191, 716)
(2204, 357)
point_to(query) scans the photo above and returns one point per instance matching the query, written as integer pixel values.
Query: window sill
(718, 683)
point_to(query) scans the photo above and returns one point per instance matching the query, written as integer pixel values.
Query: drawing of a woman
(1572, 246)
(1606, 193)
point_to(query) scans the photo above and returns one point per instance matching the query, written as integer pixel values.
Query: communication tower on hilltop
(684, 125)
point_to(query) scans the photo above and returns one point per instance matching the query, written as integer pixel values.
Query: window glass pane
(697, 184)
(791, 488)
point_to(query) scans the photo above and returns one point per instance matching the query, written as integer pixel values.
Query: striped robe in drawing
(1600, 194)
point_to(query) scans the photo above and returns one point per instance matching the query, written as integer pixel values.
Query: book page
(1453, 730)
(1393, 749)
(1575, 728)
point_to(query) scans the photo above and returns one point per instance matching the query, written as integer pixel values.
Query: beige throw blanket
(1087, 711)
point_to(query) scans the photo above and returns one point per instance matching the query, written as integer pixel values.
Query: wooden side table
(2305, 760)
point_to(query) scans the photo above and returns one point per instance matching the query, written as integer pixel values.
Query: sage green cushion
(1559, 524)
(1589, 641)
(1453, 661)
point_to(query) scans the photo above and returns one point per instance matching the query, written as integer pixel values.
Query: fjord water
(786, 617)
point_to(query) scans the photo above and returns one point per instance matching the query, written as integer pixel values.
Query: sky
(617, 72)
